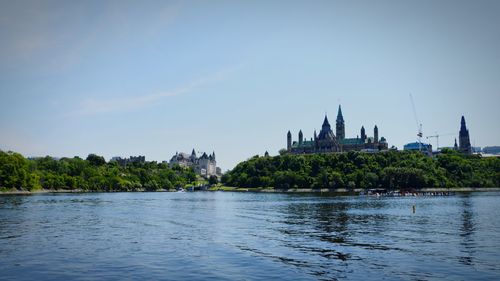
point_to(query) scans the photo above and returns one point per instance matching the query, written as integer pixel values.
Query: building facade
(327, 141)
(419, 146)
(205, 165)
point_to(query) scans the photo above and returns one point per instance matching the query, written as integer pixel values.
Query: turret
(193, 154)
(375, 134)
(301, 137)
(340, 127)
(363, 134)
(289, 141)
(455, 146)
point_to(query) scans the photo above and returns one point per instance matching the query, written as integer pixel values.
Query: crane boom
(419, 125)
(437, 138)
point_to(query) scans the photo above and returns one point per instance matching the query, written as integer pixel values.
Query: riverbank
(339, 191)
(353, 191)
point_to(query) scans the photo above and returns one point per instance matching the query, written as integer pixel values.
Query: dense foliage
(91, 174)
(391, 169)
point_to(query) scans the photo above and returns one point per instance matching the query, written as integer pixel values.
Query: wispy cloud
(95, 106)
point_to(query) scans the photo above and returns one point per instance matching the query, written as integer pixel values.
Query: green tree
(213, 180)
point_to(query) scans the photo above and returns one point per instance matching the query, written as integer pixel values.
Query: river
(248, 236)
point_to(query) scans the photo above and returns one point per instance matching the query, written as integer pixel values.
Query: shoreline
(340, 191)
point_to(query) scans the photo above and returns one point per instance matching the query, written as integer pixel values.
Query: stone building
(205, 165)
(327, 141)
(464, 139)
(130, 160)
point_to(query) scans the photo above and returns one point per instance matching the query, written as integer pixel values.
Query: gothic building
(327, 141)
(463, 138)
(205, 165)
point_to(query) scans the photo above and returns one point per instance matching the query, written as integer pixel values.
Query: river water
(248, 236)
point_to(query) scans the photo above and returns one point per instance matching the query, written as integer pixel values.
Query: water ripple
(245, 236)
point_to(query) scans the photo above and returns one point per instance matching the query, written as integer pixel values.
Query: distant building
(491, 150)
(418, 146)
(326, 141)
(463, 138)
(205, 165)
(125, 161)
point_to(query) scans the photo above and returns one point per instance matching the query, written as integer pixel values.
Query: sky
(122, 78)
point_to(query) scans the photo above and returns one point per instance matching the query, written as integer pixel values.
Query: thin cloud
(95, 106)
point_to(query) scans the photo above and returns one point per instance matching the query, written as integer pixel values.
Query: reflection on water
(227, 236)
(467, 232)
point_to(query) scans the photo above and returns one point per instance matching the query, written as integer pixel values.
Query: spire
(193, 153)
(463, 138)
(325, 122)
(456, 145)
(463, 127)
(339, 125)
(289, 134)
(339, 115)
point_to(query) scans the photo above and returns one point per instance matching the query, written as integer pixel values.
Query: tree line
(390, 169)
(90, 174)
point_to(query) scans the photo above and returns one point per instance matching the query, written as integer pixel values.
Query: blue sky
(151, 78)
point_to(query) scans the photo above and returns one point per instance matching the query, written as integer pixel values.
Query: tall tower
(340, 127)
(363, 134)
(301, 137)
(375, 134)
(289, 141)
(463, 138)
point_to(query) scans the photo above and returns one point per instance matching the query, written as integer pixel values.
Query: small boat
(181, 190)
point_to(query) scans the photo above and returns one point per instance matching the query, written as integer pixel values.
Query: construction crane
(437, 138)
(419, 125)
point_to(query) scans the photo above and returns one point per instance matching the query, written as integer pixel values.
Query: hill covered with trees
(391, 169)
(91, 174)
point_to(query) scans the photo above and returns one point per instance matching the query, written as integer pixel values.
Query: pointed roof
(193, 153)
(325, 122)
(339, 115)
(289, 134)
(463, 127)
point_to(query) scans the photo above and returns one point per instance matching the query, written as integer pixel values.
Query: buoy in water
(414, 209)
